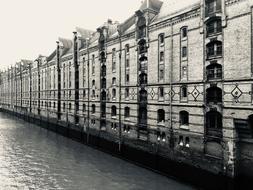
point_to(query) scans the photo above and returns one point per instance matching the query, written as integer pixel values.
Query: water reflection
(34, 158)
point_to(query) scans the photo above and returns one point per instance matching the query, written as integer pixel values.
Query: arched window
(214, 95)
(102, 57)
(214, 120)
(127, 93)
(184, 32)
(127, 78)
(214, 71)
(93, 64)
(84, 107)
(127, 112)
(113, 93)
(161, 92)
(127, 49)
(104, 83)
(143, 78)
(143, 116)
(214, 49)
(103, 70)
(143, 63)
(93, 93)
(143, 96)
(93, 83)
(212, 7)
(161, 57)
(184, 92)
(142, 46)
(103, 94)
(160, 116)
(70, 106)
(93, 108)
(184, 118)
(113, 52)
(184, 51)
(114, 81)
(213, 26)
(161, 39)
(141, 27)
(113, 111)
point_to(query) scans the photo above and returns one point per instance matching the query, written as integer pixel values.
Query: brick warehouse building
(175, 76)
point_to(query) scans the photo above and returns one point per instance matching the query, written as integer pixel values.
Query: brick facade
(189, 92)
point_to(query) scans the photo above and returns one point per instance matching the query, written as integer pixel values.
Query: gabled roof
(127, 24)
(171, 7)
(51, 56)
(26, 62)
(67, 45)
(84, 32)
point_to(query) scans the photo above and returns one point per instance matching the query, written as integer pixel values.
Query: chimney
(109, 21)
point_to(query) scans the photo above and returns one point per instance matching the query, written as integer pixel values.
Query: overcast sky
(32, 27)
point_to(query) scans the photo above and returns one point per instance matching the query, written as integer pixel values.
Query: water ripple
(32, 158)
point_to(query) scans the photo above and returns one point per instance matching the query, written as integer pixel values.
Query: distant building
(178, 74)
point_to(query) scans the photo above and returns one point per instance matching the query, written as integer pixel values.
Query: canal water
(34, 158)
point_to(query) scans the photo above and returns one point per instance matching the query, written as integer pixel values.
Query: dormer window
(141, 27)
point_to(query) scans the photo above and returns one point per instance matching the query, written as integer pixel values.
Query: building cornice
(231, 2)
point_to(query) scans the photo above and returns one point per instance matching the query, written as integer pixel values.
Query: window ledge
(162, 123)
(184, 38)
(114, 117)
(184, 58)
(214, 34)
(184, 99)
(161, 100)
(184, 127)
